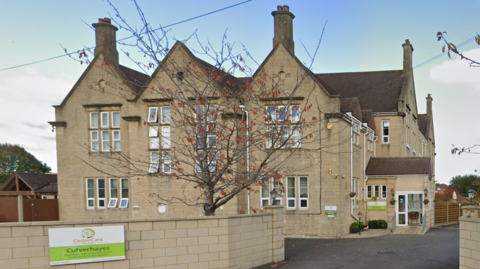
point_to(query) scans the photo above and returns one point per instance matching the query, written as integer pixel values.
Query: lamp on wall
(426, 193)
(470, 195)
(392, 191)
(274, 196)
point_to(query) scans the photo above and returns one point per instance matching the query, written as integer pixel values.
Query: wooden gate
(8, 209)
(448, 211)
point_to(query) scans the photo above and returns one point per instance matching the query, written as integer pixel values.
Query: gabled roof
(378, 91)
(135, 79)
(351, 105)
(36, 183)
(325, 85)
(423, 124)
(399, 166)
(367, 117)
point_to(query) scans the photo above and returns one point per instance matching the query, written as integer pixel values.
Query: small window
(212, 162)
(303, 193)
(282, 113)
(152, 114)
(271, 114)
(154, 139)
(180, 76)
(167, 162)
(283, 133)
(154, 164)
(201, 158)
(212, 114)
(105, 140)
(377, 191)
(296, 137)
(384, 191)
(94, 120)
(385, 131)
(116, 119)
(166, 115)
(369, 191)
(104, 120)
(90, 193)
(166, 141)
(212, 136)
(270, 136)
(113, 193)
(200, 113)
(291, 190)
(265, 193)
(94, 140)
(124, 193)
(117, 145)
(296, 113)
(101, 193)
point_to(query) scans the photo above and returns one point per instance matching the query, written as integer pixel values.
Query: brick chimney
(429, 106)
(105, 40)
(283, 24)
(407, 56)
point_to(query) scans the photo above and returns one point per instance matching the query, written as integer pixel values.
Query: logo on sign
(88, 233)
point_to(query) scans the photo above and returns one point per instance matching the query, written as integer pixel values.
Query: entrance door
(409, 208)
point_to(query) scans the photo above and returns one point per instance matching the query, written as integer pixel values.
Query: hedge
(377, 224)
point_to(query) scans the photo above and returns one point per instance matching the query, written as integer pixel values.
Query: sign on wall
(331, 211)
(82, 245)
(377, 205)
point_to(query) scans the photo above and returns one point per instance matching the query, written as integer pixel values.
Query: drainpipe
(364, 178)
(375, 146)
(351, 162)
(248, 155)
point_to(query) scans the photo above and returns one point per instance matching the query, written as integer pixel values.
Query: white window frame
(198, 162)
(291, 198)
(283, 137)
(385, 138)
(270, 136)
(104, 198)
(166, 139)
(383, 191)
(117, 142)
(114, 113)
(104, 120)
(369, 191)
(166, 162)
(271, 113)
(154, 162)
(298, 113)
(358, 192)
(212, 162)
(106, 147)
(152, 114)
(92, 141)
(154, 139)
(282, 110)
(92, 180)
(300, 198)
(376, 191)
(122, 198)
(163, 111)
(93, 126)
(296, 137)
(112, 203)
(212, 113)
(211, 136)
(270, 187)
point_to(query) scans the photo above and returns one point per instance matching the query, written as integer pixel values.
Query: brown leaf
(443, 49)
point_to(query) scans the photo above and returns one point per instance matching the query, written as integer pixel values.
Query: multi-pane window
(279, 133)
(374, 191)
(297, 192)
(105, 131)
(98, 189)
(303, 197)
(384, 191)
(291, 193)
(377, 191)
(355, 134)
(369, 191)
(159, 134)
(268, 185)
(370, 141)
(206, 138)
(385, 131)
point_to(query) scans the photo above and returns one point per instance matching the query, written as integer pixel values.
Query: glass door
(401, 210)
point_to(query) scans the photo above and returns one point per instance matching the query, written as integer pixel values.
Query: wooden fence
(448, 211)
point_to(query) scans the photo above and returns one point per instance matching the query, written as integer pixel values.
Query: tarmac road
(439, 249)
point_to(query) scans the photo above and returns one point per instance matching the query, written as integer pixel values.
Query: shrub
(354, 227)
(377, 224)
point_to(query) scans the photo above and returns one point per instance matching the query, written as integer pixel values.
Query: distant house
(29, 197)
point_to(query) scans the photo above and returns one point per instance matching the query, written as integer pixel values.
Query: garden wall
(240, 241)
(470, 237)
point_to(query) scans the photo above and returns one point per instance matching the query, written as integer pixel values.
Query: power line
(443, 53)
(170, 25)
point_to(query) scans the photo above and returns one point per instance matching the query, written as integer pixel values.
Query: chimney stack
(407, 56)
(429, 106)
(283, 24)
(106, 40)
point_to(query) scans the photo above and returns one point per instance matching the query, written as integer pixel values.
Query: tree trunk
(209, 211)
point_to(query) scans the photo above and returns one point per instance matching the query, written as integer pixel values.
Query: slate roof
(399, 166)
(377, 90)
(40, 183)
(136, 79)
(423, 123)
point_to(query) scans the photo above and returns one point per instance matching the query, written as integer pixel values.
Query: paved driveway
(439, 249)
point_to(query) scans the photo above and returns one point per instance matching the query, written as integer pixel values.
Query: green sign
(330, 217)
(330, 210)
(82, 245)
(376, 205)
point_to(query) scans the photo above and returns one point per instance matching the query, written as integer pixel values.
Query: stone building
(369, 139)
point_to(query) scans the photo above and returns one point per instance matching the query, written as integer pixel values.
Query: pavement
(438, 248)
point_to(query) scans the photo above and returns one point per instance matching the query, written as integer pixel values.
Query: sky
(362, 35)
